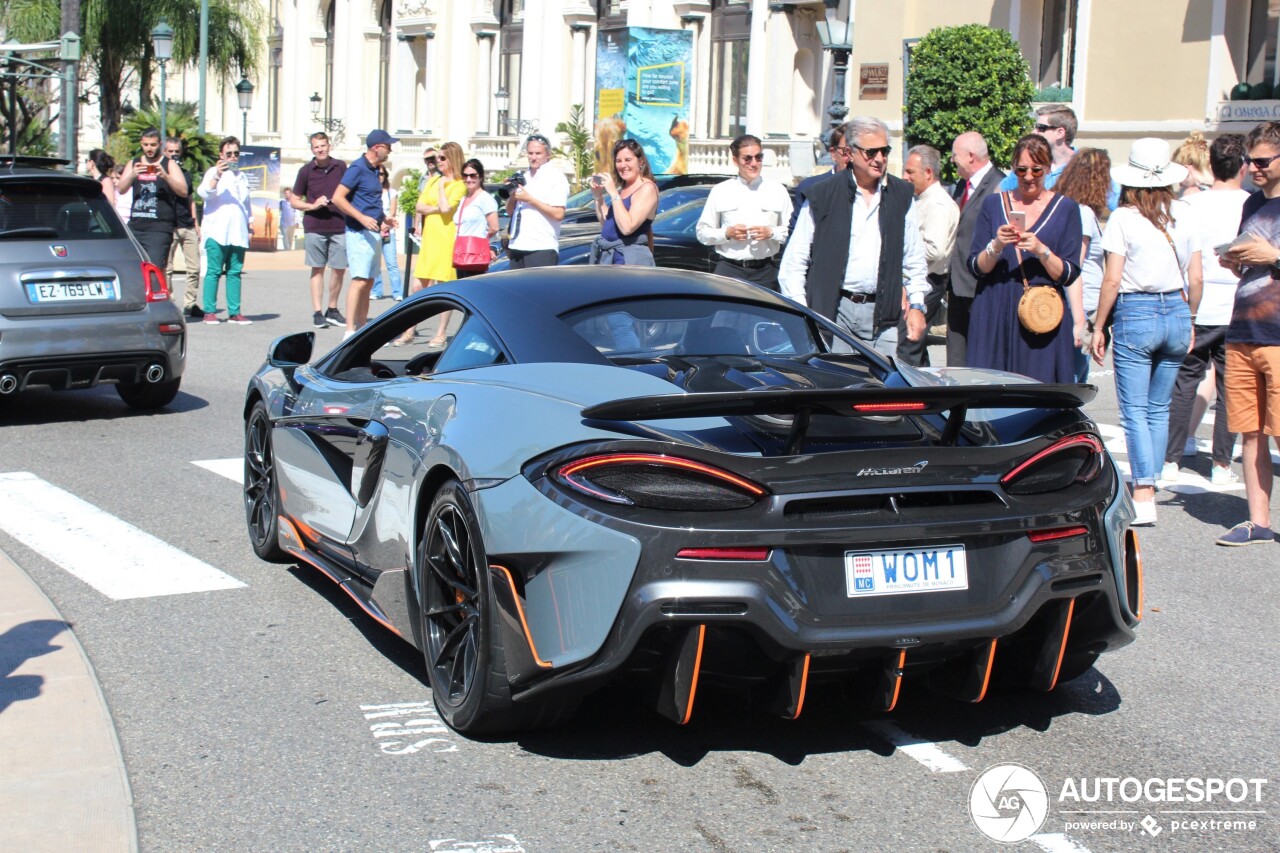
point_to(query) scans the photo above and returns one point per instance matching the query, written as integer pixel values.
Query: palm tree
(117, 40)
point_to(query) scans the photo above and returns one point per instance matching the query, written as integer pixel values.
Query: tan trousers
(186, 240)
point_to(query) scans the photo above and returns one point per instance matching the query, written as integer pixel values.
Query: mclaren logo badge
(889, 472)
(58, 251)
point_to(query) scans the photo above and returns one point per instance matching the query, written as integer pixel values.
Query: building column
(757, 69)
(781, 47)
(483, 86)
(344, 40)
(402, 71)
(578, 69)
(699, 64)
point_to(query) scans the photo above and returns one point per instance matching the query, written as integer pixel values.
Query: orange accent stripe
(1066, 629)
(897, 680)
(308, 559)
(524, 625)
(1137, 557)
(986, 676)
(804, 685)
(697, 668)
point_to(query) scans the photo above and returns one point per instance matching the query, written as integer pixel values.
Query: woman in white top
(124, 200)
(102, 168)
(390, 198)
(1151, 258)
(477, 214)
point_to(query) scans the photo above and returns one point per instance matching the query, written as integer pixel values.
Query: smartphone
(150, 169)
(1225, 247)
(1018, 219)
(597, 180)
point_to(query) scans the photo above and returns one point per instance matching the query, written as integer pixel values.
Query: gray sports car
(677, 479)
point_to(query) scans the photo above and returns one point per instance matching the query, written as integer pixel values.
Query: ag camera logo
(1008, 803)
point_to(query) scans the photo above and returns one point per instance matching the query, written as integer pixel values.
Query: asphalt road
(276, 716)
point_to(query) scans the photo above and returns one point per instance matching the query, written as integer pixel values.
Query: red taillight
(653, 459)
(758, 555)
(1057, 466)
(888, 408)
(153, 280)
(171, 328)
(655, 481)
(1056, 533)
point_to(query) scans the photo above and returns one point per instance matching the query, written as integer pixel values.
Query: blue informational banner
(261, 166)
(643, 88)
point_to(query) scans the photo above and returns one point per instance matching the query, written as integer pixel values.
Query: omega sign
(873, 82)
(1249, 111)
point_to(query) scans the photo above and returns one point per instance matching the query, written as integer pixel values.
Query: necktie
(964, 198)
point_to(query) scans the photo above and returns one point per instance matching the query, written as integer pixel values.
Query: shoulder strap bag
(470, 254)
(1040, 309)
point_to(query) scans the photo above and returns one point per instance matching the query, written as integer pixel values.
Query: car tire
(261, 489)
(461, 635)
(147, 395)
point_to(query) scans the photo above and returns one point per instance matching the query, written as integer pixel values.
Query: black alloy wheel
(261, 493)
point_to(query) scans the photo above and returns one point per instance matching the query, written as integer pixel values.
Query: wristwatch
(917, 306)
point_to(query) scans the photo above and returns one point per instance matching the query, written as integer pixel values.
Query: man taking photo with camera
(536, 207)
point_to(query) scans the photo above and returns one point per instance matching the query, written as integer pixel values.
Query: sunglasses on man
(1044, 128)
(430, 160)
(752, 158)
(872, 153)
(539, 138)
(1261, 163)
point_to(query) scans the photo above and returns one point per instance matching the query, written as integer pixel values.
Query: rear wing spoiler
(956, 400)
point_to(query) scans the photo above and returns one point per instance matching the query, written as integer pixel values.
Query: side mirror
(771, 339)
(291, 350)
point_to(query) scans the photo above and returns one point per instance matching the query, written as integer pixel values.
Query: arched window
(730, 49)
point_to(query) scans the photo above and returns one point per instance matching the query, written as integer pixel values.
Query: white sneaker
(1189, 449)
(1169, 473)
(1144, 513)
(1221, 476)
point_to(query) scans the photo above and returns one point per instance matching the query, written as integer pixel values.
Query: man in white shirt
(871, 246)
(978, 179)
(226, 231)
(745, 218)
(536, 209)
(1215, 214)
(938, 217)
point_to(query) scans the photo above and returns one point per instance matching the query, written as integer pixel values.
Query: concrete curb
(63, 784)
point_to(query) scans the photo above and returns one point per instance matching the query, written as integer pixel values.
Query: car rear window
(56, 210)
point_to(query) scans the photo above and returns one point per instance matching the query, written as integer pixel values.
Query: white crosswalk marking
(1056, 842)
(232, 469)
(108, 554)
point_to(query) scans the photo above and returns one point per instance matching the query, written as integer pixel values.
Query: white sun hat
(1149, 165)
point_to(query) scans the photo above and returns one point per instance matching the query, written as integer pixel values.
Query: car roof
(524, 306)
(8, 171)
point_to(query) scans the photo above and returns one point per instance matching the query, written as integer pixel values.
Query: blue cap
(379, 137)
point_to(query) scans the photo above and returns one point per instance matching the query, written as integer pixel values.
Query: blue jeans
(1150, 337)
(390, 258)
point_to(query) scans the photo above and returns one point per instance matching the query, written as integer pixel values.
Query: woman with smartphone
(626, 200)
(1030, 237)
(1151, 285)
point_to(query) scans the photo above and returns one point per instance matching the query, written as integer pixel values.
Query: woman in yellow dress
(436, 204)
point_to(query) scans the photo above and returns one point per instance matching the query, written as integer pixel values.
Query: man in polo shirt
(536, 208)
(745, 218)
(323, 229)
(359, 197)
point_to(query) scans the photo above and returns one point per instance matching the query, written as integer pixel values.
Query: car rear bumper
(77, 353)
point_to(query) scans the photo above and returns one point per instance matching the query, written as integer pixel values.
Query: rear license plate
(72, 291)
(904, 570)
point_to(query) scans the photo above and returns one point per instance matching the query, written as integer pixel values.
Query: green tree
(117, 41)
(579, 148)
(966, 78)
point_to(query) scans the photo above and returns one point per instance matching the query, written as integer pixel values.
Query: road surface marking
(1056, 842)
(487, 844)
(423, 720)
(232, 469)
(928, 754)
(114, 557)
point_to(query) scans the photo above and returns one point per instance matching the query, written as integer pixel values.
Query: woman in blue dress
(1034, 233)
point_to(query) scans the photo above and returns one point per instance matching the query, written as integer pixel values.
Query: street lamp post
(162, 44)
(244, 91)
(331, 125)
(834, 35)
(502, 100)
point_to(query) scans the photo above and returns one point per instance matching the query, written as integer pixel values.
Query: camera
(597, 180)
(516, 180)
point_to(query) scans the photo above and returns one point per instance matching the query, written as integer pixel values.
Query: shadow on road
(42, 406)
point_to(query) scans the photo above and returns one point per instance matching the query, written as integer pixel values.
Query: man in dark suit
(840, 156)
(978, 179)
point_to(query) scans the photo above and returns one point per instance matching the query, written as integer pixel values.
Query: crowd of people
(1166, 260)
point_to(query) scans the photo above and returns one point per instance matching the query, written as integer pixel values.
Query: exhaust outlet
(155, 373)
(8, 383)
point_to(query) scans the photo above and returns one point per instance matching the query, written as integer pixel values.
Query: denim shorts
(364, 251)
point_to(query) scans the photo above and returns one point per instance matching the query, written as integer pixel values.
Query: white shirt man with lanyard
(536, 208)
(871, 242)
(745, 218)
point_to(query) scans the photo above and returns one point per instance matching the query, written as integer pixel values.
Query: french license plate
(72, 291)
(904, 570)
